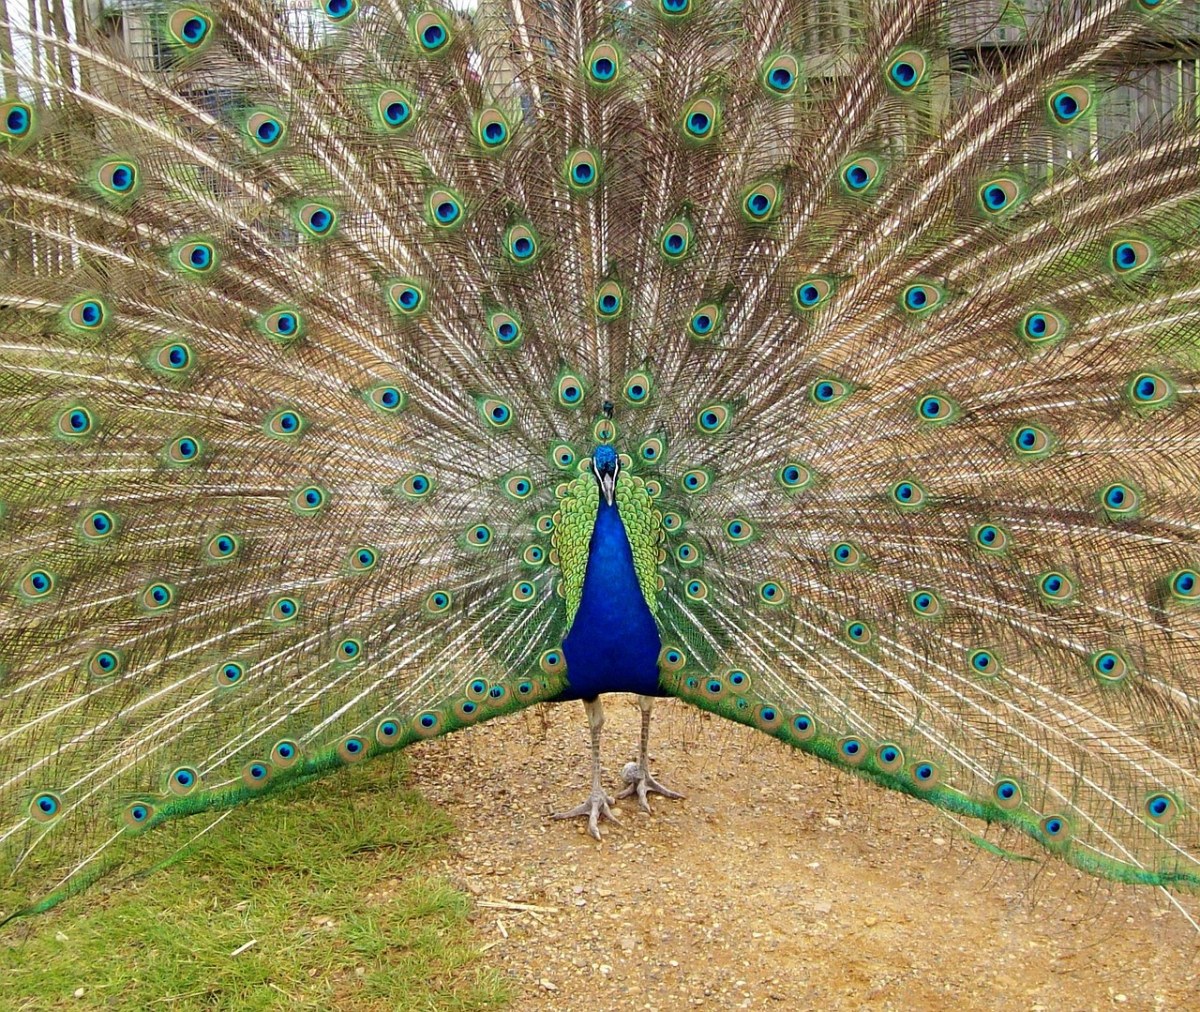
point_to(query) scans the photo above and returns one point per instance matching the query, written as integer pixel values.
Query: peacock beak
(608, 484)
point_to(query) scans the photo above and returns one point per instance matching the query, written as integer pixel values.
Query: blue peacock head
(605, 466)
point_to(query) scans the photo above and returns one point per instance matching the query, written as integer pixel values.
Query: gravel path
(778, 883)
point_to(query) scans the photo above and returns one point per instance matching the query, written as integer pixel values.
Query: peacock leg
(598, 802)
(637, 775)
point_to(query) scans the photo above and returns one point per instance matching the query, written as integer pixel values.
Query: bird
(375, 368)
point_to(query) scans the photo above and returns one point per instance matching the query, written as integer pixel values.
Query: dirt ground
(777, 883)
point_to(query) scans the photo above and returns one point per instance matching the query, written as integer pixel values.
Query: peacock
(370, 369)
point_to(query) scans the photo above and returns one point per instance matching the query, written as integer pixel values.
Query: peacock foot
(597, 805)
(639, 781)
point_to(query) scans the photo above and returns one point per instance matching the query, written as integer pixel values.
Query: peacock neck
(613, 643)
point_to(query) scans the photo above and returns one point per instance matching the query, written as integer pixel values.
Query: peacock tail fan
(308, 322)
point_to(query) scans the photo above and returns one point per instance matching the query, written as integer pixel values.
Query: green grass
(331, 882)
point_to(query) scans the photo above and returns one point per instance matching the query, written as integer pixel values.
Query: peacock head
(605, 466)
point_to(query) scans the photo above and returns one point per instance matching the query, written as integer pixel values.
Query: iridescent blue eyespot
(907, 70)
(35, 584)
(1127, 256)
(265, 129)
(309, 499)
(157, 596)
(1150, 390)
(1056, 587)
(771, 593)
(18, 120)
(1162, 808)
(700, 120)
(184, 450)
(1069, 103)
(45, 807)
(1056, 828)
(984, 662)
(811, 293)
(189, 28)
(75, 422)
(394, 109)
(761, 201)
(506, 331)
(431, 32)
(99, 525)
(175, 357)
(780, 75)
(794, 476)
(925, 603)
(389, 399)
(104, 662)
(846, 555)
(1185, 586)
(1007, 795)
(117, 177)
(86, 314)
(496, 413)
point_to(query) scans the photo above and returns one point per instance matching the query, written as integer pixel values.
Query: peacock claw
(639, 781)
(597, 805)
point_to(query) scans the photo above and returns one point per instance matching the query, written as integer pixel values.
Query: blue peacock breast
(613, 643)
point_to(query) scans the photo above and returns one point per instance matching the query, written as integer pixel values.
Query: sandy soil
(777, 884)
